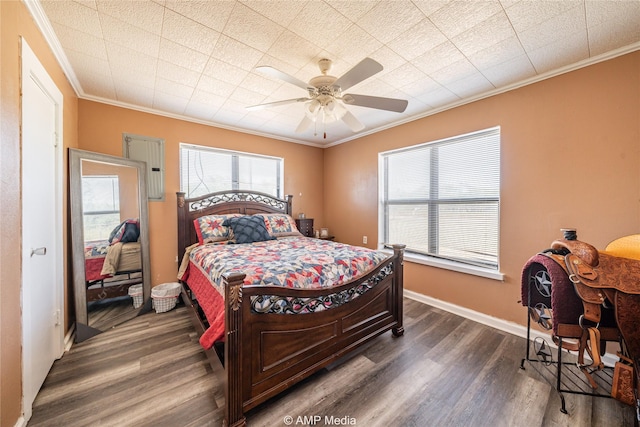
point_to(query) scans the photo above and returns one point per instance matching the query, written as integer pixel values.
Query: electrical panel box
(151, 151)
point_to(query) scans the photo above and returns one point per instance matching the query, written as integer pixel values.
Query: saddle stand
(594, 297)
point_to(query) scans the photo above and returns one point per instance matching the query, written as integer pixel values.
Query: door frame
(34, 70)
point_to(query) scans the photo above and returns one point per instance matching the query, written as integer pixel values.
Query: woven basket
(165, 297)
(135, 292)
(164, 304)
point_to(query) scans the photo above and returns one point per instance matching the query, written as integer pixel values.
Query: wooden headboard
(223, 202)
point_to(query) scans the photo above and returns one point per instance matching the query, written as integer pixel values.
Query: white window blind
(206, 170)
(442, 199)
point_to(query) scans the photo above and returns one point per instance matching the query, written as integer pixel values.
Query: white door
(42, 268)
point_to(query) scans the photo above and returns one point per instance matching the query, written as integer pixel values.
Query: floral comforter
(293, 262)
(96, 248)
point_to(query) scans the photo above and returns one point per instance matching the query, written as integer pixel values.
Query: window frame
(115, 185)
(235, 166)
(446, 262)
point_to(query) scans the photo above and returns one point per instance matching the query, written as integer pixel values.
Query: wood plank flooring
(445, 371)
(104, 315)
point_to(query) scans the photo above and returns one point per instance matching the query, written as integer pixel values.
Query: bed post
(183, 233)
(233, 414)
(289, 198)
(398, 266)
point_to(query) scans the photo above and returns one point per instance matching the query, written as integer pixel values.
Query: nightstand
(305, 226)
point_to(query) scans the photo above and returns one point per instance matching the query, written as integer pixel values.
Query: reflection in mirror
(110, 240)
(111, 229)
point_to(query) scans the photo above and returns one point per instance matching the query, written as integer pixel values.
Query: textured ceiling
(197, 59)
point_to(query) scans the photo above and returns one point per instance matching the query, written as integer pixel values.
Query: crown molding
(194, 120)
(44, 24)
(544, 76)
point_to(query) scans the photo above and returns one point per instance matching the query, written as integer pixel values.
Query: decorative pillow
(209, 228)
(126, 232)
(280, 225)
(248, 229)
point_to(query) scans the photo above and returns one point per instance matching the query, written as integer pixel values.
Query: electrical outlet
(364, 240)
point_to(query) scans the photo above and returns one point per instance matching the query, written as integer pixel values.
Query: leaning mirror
(110, 240)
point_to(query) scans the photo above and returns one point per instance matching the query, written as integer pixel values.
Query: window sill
(453, 266)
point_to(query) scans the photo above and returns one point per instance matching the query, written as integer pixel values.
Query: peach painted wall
(570, 156)
(101, 127)
(550, 131)
(16, 22)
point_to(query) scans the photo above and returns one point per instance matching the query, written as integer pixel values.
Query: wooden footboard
(273, 340)
(275, 336)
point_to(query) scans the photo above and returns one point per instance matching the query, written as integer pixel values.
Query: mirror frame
(76, 156)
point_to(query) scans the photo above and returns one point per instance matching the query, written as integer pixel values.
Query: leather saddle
(603, 278)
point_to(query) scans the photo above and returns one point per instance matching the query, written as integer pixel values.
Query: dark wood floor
(105, 314)
(445, 371)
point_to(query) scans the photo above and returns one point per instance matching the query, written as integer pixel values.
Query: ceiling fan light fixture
(313, 106)
(326, 102)
(325, 112)
(328, 116)
(331, 106)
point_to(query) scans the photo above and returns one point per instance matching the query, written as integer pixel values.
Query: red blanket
(212, 304)
(93, 267)
(94, 253)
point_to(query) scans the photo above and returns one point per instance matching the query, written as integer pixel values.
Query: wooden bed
(266, 353)
(109, 276)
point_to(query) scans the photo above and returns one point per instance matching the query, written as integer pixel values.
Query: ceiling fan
(326, 101)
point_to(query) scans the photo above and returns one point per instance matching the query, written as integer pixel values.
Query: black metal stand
(570, 379)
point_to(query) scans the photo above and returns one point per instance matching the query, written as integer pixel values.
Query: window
(442, 199)
(206, 170)
(101, 205)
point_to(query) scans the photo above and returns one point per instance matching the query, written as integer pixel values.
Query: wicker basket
(164, 297)
(135, 292)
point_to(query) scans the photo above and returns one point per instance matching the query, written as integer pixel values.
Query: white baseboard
(21, 422)
(503, 325)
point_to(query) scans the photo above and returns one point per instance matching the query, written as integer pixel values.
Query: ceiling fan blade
(361, 71)
(351, 121)
(277, 74)
(380, 103)
(304, 124)
(275, 104)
